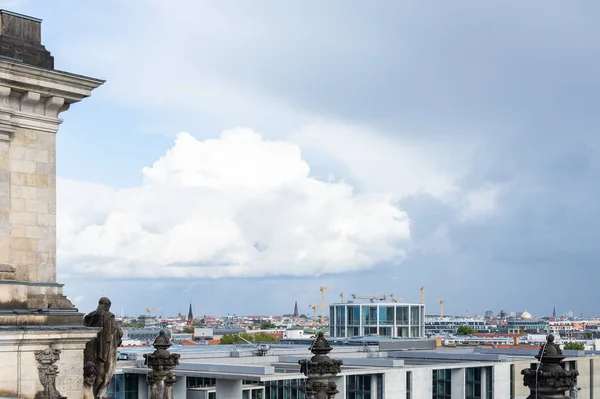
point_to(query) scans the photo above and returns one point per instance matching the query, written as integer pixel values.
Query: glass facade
(284, 389)
(123, 386)
(409, 385)
(358, 386)
(383, 319)
(489, 383)
(473, 383)
(442, 384)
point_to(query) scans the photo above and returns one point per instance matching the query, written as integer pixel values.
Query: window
(512, 381)
(402, 316)
(442, 384)
(353, 315)
(473, 383)
(489, 383)
(369, 315)
(284, 389)
(409, 385)
(123, 386)
(358, 387)
(386, 315)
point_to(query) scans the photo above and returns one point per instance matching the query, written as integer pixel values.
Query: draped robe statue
(102, 350)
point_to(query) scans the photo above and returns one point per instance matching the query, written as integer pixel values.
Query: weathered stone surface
(102, 351)
(161, 378)
(320, 370)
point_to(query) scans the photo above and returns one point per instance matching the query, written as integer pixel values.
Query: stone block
(23, 244)
(17, 152)
(42, 181)
(18, 231)
(24, 138)
(52, 207)
(4, 250)
(46, 245)
(18, 257)
(46, 141)
(46, 194)
(36, 155)
(36, 206)
(23, 218)
(46, 219)
(4, 224)
(4, 203)
(17, 204)
(45, 168)
(18, 165)
(36, 232)
(4, 176)
(24, 192)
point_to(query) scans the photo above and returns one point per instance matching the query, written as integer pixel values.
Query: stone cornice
(47, 82)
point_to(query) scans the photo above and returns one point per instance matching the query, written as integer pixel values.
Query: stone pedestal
(41, 333)
(22, 374)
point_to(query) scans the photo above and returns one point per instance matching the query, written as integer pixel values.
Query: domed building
(526, 315)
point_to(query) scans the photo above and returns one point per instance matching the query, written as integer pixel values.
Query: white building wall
(501, 381)
(458, 383)
(394, 384)
(422, 383)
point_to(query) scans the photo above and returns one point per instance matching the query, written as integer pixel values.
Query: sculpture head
(90, 373)
(104, 303)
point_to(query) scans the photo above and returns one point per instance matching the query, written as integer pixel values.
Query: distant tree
(230, 339)
(188, 330)
(589, 335)
(576, 346)
(465, 330)
(267, 325)
(303, 316)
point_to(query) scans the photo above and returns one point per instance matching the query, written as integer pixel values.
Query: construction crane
(342, 297)
(322, 289)
(150, 310)
(423, 294)
(371, 298)
(441, 301)
(394, 298)
(314, 308)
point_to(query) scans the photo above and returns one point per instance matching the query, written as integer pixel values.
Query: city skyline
(411, 150)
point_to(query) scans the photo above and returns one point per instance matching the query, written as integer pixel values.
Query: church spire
(190, 319)
(554, 313)
(296, 309)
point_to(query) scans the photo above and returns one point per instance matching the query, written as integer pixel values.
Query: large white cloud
(238, 205)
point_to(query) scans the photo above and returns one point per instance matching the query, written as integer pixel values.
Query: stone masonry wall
(32, 163)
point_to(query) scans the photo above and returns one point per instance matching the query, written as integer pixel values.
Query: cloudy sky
(242, 154)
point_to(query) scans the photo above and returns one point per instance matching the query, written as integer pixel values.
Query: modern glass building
(386, 319)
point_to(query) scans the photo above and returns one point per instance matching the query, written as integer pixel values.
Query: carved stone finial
(548, 379)
(47, 371)
(319, 370)
(161, 378)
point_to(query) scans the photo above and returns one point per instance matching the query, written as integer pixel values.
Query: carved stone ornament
(161, 378)
(319, 370)
(48, 371)
(549, 379)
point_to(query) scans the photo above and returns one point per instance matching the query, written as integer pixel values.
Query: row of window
(373, 315)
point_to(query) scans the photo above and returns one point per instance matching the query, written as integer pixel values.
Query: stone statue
(89, 378)
(102, 351)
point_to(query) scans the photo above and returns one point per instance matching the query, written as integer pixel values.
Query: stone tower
(35, 316)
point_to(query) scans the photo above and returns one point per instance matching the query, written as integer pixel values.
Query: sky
(242, 154)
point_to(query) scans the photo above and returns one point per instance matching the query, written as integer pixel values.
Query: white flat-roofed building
(386, 319)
